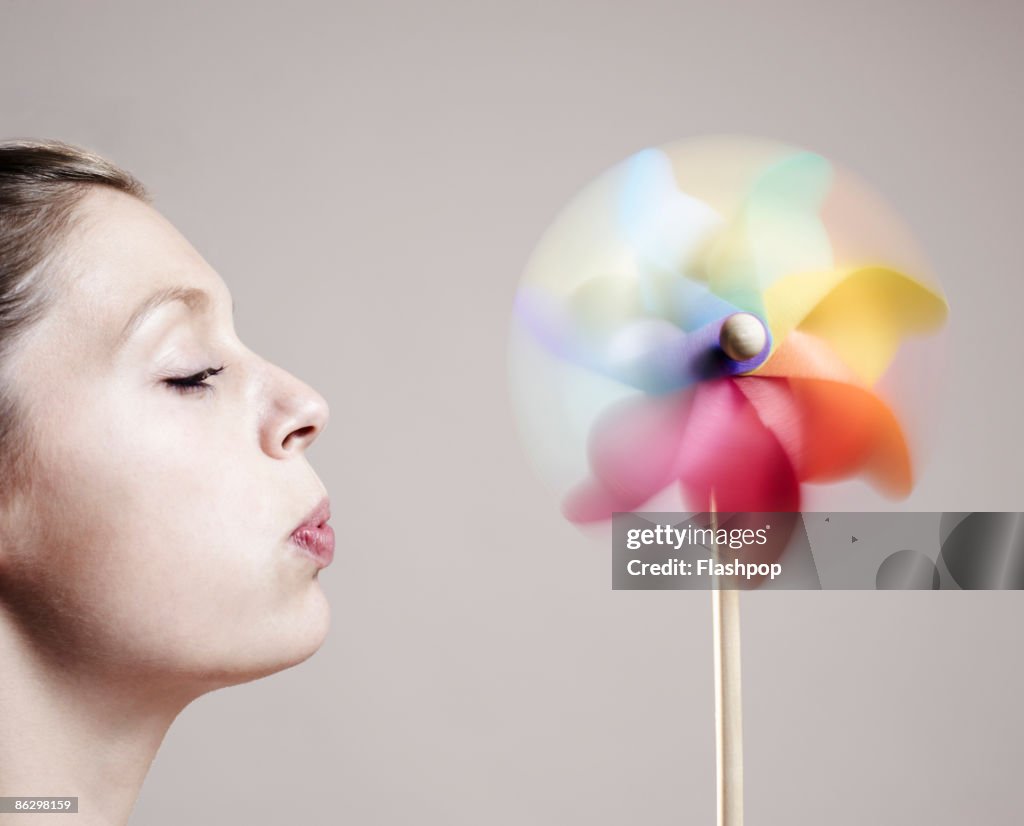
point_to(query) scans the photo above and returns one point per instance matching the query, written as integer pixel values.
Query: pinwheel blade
(777, 230)
(832, 430)
(599, 329)
(728, 449)
(664, 226)
(634, 452)
(863, 313)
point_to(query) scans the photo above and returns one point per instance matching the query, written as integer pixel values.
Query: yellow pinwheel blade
(862, 313)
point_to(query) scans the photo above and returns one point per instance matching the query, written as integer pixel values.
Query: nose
(294, 416)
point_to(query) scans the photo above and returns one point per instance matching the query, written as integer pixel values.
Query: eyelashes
(196, 383)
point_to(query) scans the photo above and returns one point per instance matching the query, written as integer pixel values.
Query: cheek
(160, 527)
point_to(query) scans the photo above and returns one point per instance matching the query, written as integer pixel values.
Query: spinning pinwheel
(718, 319)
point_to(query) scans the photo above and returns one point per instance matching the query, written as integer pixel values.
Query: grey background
(369, 178)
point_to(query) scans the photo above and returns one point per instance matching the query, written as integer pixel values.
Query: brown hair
(41, 183)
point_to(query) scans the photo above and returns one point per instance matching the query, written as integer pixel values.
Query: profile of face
(165, 473)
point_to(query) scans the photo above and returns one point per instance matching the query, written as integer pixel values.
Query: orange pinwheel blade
(832, 430)
(803, 355)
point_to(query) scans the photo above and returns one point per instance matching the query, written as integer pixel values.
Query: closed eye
(196, 383)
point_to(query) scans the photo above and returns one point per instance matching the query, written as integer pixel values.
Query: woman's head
(153, 467)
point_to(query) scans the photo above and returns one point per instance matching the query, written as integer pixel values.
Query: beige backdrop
(369, 178)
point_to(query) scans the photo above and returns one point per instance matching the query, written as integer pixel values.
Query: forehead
(120, 250)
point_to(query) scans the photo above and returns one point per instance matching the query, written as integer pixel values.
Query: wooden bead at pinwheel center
(743, 336)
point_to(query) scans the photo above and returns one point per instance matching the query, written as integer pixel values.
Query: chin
(281, 643)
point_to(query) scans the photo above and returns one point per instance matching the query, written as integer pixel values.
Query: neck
(71, 729)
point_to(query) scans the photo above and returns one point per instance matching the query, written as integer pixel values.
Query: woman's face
(154, 532)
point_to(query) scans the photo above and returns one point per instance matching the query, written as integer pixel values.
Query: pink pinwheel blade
(708, 439)
(634, 453)
(728, 449)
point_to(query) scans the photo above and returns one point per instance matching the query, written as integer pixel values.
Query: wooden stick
(725, 606)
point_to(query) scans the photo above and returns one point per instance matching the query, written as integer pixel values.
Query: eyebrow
(192, 297)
